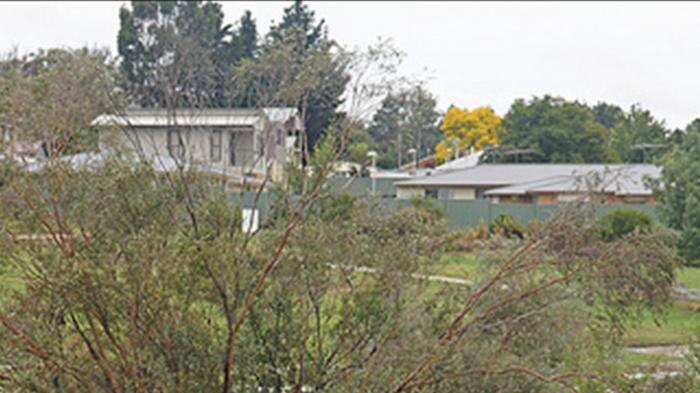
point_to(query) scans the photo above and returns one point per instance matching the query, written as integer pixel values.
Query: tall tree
(679, 192)
(473, 129)
(308, 42)
(179, 53)
(608, 115)
(637, 136)
(406, 119)
(556, 130)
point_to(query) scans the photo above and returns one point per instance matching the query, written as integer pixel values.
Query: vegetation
(473, 129)
(405, 119)
(679, 194)
(120, 278)
(619, 223)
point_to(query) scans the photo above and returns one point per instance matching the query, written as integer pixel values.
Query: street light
(414, 152)
(373, 155)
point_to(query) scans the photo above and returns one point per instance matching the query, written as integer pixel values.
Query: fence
(459, 214)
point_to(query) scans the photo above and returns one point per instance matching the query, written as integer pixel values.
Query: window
(445, 193)
(176, 149)
(431, 193)
(232, 149)
(215, 145)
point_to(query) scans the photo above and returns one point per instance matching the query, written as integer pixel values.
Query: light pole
(456, 143)
(414, 152)
(373, 156)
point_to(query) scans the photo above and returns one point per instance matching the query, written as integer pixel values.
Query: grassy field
(678, 326)
(690, 276)
(458, 265)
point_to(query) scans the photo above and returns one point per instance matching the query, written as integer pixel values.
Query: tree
(406, 119)
(306, 42)
(473, 129)
(608, 115)
(180, 52)
(71, 87)
(555, 130)
(637, 136)
(678, 192)
(136, 282)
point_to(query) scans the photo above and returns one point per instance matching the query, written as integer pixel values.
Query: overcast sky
(474, 53)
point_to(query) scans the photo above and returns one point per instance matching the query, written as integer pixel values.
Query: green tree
(637, 136)
(307, 42)
(678, 192)
(406, 119)
(179, 53)
(556, 130)
(608, 115)
(52, 96)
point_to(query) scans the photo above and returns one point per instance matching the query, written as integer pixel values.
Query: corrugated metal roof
(195, 117)
(495, 175)
(629, 180)
(468, 161)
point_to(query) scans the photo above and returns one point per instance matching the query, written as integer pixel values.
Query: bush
(429, 206)
(505, 225)
(621, 222)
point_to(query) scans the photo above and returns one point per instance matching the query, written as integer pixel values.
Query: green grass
(634, 360)
(690, 276)
(458, 265)
(679, 326)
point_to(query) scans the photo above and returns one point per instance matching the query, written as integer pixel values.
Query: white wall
(462, 193)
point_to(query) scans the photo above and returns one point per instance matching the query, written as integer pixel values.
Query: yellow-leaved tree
(475, 129)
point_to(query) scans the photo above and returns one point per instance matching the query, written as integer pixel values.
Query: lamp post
(456, 143)
(414, 152)
(373, 156)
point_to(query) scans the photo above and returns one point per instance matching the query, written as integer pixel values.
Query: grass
(635, 361)
(679, 326)
(690, 276)
(458, 265)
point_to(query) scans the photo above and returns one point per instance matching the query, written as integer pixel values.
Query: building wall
(556, 198)
(403, 192)
(153, 141)
(463, 193)
(456, 193)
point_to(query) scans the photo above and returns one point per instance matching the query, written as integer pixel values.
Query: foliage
(619, 223)
(405, 119)
(480, 232)
(53, 95)
(299, 66)
(338, 207)
(634, 129)
(505, 225)
(678, 192)
(473, 129)
(555, 130)
(176, 54)
(429, 206)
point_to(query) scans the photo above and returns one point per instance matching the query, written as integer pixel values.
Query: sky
(472, 54)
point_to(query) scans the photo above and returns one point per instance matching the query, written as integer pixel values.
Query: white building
(243, 142)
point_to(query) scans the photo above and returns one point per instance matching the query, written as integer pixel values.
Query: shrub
(428, 205)
(480, 232)
(621, 222)
(505, 225)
